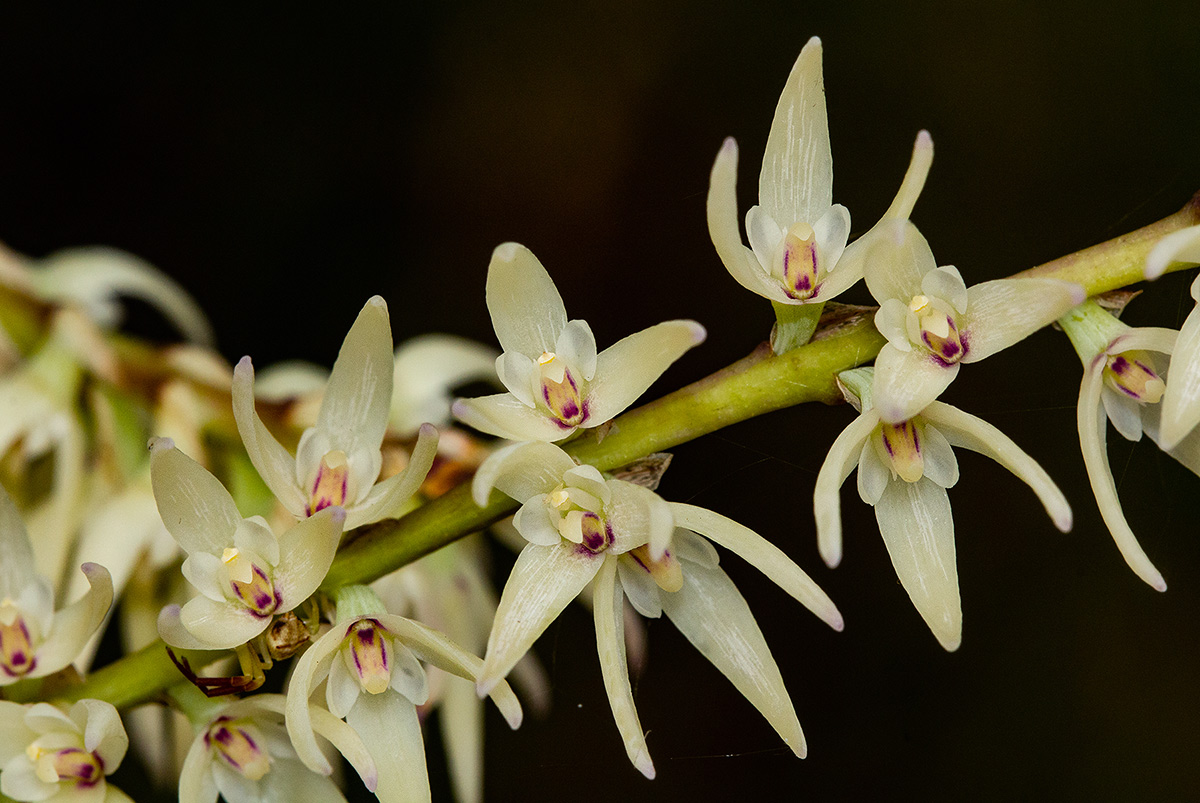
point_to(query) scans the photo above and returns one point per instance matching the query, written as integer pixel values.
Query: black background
(284, 162)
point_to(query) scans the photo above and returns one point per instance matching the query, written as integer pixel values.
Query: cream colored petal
(739, 260)
(1093, 429)
(638, 516)
(519, 374)
(939, 463)
(358, 396)
(274, 464)
(214, 625)
(832, 231)
(505, 416)
(873, 475)
(312, 667)
(762, 555)
(521, 470)
(305, 554)
(626, 369)
(827, 504)
(711, 613)
(103, 734)
(75, 624)
(94, 276)
(891, 319)
(1124, 413)
(427, 367)
(1178, 246)
(946, 283)
(796, 182)
(204, 571)
(897, 259)
(535, 523)
(763, 233)
(638, 586)
(577, 346)
(194, 505)
(1181, 401)
(918, 530)
(610, 646)
(462, 718)
(388, 498)
(907, 381)
(543, 581)
(390, 729)
(15, 736)
(527, 311)
(196, 784)
(1006, 311)
(16, 554)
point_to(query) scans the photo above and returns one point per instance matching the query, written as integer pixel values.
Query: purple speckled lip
(800, 281)
(84, 768)
(597, 534)
(16, 656)
(562, 399)
(947, 351)
(365, 635)
(259, 595)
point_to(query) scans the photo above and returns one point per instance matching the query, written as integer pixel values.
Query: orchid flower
(1181, 401)
(798, 254)
(36, 640)
(903, 472)
(243, 755)
(1123, 377)
(244, 572)
(47, 754)
(374, 681)
(338, 460)
(582, 527)
(557, 382)
(933, 321)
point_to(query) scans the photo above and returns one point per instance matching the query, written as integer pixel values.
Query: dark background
(284, 162)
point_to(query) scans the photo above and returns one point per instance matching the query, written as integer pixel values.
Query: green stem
(794, 325)
(757, 384)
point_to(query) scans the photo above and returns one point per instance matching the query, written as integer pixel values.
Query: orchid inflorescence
(277, 517)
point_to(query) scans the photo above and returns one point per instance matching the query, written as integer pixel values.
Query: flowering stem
(759, 383)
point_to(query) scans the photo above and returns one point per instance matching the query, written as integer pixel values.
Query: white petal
(518, 373)
(16, 555)
(1178, 246)
(577, 346)
(739, 260)
(194, 505)
(313, 665)
(897, 259)
(427, 367)
(74, 625)
(939, 463)
(15, 736)
(1181, 401)
(827, 504)
(639, 587)
(305, 554)
(907, 381)
(610, 646)
(527, 311)
(505, 416)
(638, 516)
(833, 229)
(1124, 413)
(389, 727)
(918, 530)
(1006, 311)
(627, 368)
(213, 625)
(543, 581)
(873, 475)
(1093, 429)
(521, 470)
(388, 498)
(342, 688)
(196, 784)
(103, 734)
(354, 412)
(19, 781)
(762, 555)
(408, 678)
(714, 617)
(274, 464)
(946, 283)
(534, 522)
(763, 233)
(796, 182)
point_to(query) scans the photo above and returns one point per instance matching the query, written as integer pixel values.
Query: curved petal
(796, 182)
(1006, 311)
(712, 614)
(1124, 413)
(577, 346)
(274, 464)
(387, 498)
(897, 259)
(534, 522)
(521, 470)
(827, 504)
(608, 610)
(907, 381)
(762, 555)
(639, 516)
(918, 530)
(213, 625)
(390, 729)
(518, 373)
(358, 395)
(946, 283)
(1181, 402)
(527, 311)
(194, 505)
(505, 416)
(16, 554)
(763, 233)
(196, 784)
(310, 668)
(75, 624)
(342, 736)
(426, 368)
(627, 368)
(305, 554)
(1178, 246)
(288, 782)
(833, 229)
(1093, 428)
(938, 460)
(103, 734)
(543, 581)
(721, 207)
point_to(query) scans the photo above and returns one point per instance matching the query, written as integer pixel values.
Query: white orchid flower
(903, 472)
(798, 253)
(557, 382)
(244, 572)
(1181, 401)
(56, 756)
(933, 321)
(369, 660)
(1124, 377)
(35, 639)
(243, 755)
(338, 460)
(582, 527)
